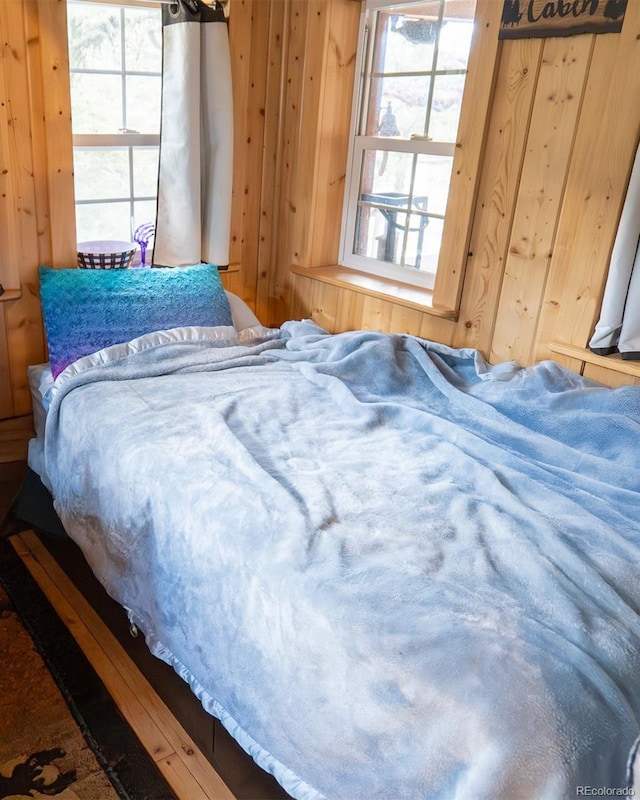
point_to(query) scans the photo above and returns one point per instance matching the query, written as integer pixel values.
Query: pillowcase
(243, 317)
(85, 310)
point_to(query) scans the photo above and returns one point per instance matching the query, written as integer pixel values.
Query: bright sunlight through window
(413, 61)
(115, 55)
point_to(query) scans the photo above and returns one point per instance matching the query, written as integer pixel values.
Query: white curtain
(196, 137)
(618, 329)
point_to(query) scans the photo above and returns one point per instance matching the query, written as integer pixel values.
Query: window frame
(124, 138)
(446, 283)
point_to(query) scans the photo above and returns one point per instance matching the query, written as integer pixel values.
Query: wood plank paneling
(22, 319)
(301, 297)
(320, 62)
(350, 310)
(310, 60)
(56, 107)
(609, 377)
(437, 330)
(15, 65)
(252, 126)
(333, 115)
(290, 108)
(6, 392)
(547, 104)
(559, 89)
(499, 185)
(376, 314)
(324, 305)
(467, 159)
(605, 143)
(405, 320)
(240, 48)
(316, 301)
(556, 157)
(38, 133)
(37, 143)
(269, 223)
(10, 63)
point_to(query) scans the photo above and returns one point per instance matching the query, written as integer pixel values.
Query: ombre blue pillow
(85, 310)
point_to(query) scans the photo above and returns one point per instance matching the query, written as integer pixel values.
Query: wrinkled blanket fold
(391, 569)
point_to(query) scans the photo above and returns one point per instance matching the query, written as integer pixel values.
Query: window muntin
(413, 62)
(115, 58)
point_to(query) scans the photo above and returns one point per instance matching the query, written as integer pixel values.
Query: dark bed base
(33, 509)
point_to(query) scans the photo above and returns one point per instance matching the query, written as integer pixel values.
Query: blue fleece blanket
(392, 570)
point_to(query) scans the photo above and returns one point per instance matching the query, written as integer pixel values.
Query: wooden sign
(529, 19)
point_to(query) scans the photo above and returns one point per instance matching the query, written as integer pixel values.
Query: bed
(389, 568)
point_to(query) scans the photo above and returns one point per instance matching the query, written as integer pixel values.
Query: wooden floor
(184, 767)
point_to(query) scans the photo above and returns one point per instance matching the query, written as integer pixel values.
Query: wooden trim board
(182, 764)
(383, 288)
(613, 362)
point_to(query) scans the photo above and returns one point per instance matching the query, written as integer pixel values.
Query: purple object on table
(143, 235)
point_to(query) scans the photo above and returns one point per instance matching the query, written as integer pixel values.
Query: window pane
(96, 103)
(101, 172)
(371, 234)
(103, 221)
(390, 174)
(386, 173)
(144, 212)
(143, 40)
(455, 38)
(398, 106)
(143, 103)
(392, 236)
(121, 40)
(445, 107)
(145, 171)
(414, 255)
(433, 175)
(431, 244)
(386, 186)
(94, 37)
(389, 188)
(405, 39)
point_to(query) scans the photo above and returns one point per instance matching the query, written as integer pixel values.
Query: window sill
(403, 294)
(613, 362)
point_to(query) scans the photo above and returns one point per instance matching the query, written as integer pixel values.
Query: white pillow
(243, 317)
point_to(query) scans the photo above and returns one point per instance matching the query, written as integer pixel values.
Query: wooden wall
(564, 124)
(37, 223)
(563, 129)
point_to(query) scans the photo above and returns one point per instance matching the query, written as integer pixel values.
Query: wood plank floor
(185, 768)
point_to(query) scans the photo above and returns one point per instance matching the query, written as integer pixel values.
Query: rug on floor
(61, 734)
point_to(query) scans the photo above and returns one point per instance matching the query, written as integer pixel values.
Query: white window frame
(359, 143)
(125, 138)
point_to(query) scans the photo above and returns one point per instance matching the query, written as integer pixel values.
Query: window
(115, 57)
(413, 60)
